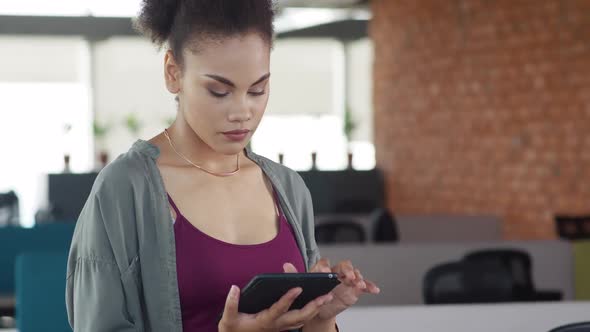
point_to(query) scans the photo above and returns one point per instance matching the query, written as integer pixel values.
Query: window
(305, 113)
(37, 106)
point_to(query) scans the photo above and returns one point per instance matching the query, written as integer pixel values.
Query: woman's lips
(237, 135)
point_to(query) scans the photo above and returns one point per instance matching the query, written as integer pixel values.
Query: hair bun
(156, 19)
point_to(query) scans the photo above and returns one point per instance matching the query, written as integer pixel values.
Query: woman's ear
(172, 73)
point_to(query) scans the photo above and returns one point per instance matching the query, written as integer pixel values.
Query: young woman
(174, 227)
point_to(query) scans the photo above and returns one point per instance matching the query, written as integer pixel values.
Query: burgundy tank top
(207, 267)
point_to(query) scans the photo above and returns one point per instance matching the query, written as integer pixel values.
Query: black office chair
(576, 327)
(443, 284)
(344, 231)
(519, 265)
(9, 211)
(466, 282)
(573, 227)
(384, 226)
(487, 283)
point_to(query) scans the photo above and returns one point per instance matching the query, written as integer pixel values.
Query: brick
(483, 107)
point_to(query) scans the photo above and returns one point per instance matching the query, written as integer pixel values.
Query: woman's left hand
(352, 286)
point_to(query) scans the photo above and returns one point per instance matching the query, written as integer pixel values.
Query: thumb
(230, 312)
(289, 268)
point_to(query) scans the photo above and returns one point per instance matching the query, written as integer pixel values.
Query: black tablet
(266, 289)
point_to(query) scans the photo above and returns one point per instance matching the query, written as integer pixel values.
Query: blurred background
(446, 148)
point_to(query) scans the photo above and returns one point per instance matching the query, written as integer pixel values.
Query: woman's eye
(257, 93)
(218, 94)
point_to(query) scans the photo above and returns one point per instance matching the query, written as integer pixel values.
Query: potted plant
(133, 124)
(169, 121)
(100, 131)
(67, 128)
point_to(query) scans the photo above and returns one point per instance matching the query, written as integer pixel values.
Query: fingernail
(363, 285)
(233, 291)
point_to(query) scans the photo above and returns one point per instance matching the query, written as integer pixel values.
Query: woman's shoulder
(282, 173)
(128, 170)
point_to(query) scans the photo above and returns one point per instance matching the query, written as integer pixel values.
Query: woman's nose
(240, 113)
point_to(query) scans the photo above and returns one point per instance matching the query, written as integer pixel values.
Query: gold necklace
(223, 174)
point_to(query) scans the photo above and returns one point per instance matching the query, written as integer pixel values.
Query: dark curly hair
(181, 23)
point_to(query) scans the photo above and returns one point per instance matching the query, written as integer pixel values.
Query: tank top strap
(178, 214)
(276, 201)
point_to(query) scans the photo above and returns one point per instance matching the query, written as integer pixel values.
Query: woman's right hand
(274, 319)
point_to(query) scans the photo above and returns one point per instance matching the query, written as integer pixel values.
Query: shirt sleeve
(308, 227)
(95, 296)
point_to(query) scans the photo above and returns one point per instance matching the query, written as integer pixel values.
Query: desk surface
(529, 317)
(532, 317)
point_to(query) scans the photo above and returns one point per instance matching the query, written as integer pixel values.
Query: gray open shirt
(122, 264)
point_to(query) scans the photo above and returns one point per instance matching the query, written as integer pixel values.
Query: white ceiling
(130, 7)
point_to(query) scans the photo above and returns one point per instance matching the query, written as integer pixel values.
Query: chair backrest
(40, 288)
(573, 227)
(16, 240)
(384, 226)
(444, 284)
(518, 263)
(467, 282)
(487, 282)
(339, 232)
(576, 327)
(12, 240)
(9, 211)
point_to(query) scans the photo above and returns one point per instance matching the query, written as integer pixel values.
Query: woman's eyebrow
(226, 81)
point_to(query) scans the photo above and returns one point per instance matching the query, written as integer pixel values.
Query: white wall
(360, 85)
(306, 77)
(129, 79)
(42, 59)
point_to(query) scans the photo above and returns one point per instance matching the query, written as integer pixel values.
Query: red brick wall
(483, 107)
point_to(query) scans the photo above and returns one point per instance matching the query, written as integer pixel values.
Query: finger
(283, 304)
(325, 269)
(289, 268)
(230, 312)
(323, 265)
(309, 311)
(372, 287)
(358, 274)
(360, 283)
(295, 327)
(345, 271)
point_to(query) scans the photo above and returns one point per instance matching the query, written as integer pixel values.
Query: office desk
(521, 317)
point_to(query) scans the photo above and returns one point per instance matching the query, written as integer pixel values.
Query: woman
(175, 226)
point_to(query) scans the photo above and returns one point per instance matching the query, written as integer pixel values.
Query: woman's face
(223, 90)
